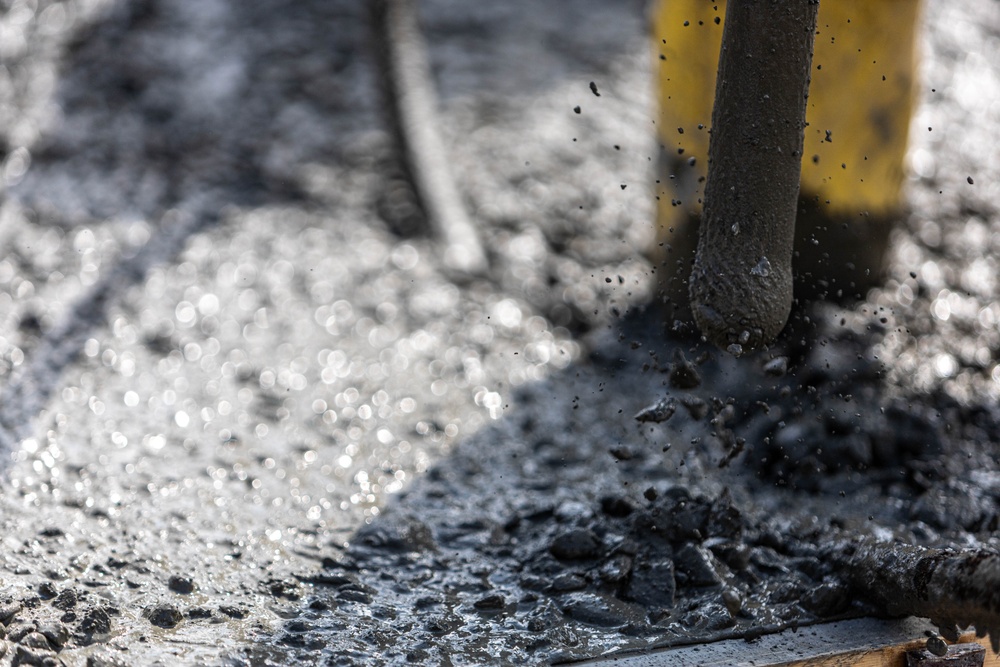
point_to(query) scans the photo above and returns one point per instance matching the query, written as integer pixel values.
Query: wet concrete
(250, 420)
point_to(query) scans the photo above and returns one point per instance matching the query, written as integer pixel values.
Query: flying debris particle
(657, 413)
(696, 407)
(734, 447)
(683, 374)
(622, 453)
(970, 181)
(576, 109)
(593, 89)
(776, 367)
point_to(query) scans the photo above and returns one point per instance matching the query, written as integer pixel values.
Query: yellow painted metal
(860, 103)
(861, 93)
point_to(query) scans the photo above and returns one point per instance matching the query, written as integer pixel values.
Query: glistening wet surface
(221, 358)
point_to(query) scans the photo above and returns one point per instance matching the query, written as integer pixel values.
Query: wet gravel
(249, 419)
(676, 541)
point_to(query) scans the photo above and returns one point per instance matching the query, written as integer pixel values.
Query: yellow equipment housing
(861, 98)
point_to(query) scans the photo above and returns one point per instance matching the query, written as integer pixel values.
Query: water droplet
(735, 229)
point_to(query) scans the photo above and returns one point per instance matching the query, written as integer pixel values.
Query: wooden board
(861, 642)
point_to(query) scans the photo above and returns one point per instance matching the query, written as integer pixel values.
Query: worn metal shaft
(741, 284)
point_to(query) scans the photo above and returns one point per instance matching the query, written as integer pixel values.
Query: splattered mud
(250, 420)
(663, 546)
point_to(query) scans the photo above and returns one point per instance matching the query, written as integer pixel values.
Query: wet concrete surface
(249, 419)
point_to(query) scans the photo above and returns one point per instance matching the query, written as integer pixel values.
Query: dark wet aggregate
(638, 554)
(42, 627)
(181, 584)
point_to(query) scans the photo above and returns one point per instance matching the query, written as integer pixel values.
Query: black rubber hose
(414, 108)
(741, 284)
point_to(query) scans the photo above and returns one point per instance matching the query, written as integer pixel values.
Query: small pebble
(492, 602)
(733, 601)
(182, 585)
(36, 640)
(935, 644)
(7, 611)
(696, 565)
(592, 610)
(97, 622)
(683, 374)
(617, 506)
(233, 612)
(537, 625)
(658, 412)
(776, 367)
(575, 545)
(622, 453)
(20, 630)
(56, 633)
(354, 595)
(568, 582)
(66, 599)
(165, 616)
(24, 655)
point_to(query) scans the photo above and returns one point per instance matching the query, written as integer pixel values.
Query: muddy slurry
(567, 532)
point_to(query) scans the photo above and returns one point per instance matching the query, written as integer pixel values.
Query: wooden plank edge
(863, 642)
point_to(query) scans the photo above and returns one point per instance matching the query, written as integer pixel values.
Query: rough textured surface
(954, 588)
(222, 359)
(741, 283)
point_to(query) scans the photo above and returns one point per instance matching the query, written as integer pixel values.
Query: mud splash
(559, 535)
